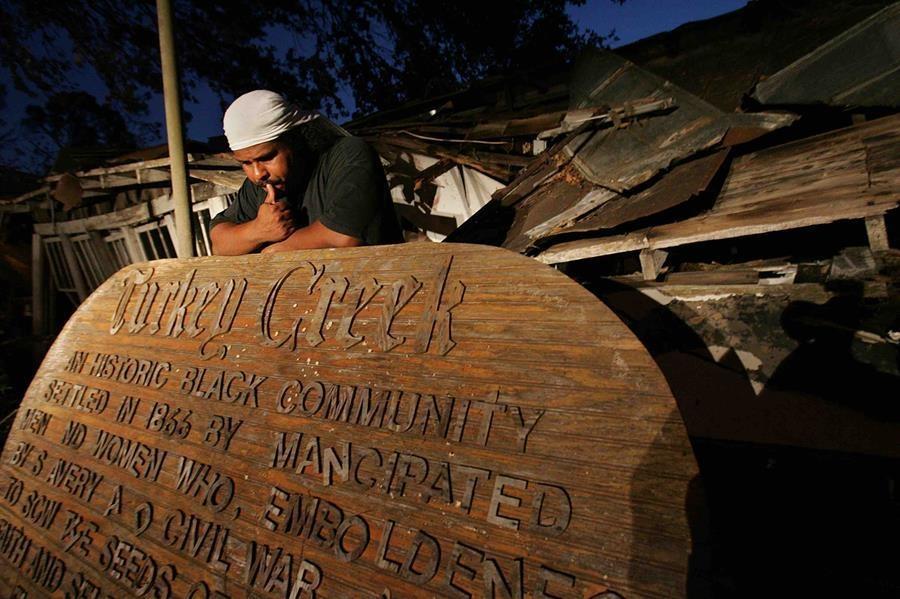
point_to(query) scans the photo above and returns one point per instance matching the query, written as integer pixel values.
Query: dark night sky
(633, 20)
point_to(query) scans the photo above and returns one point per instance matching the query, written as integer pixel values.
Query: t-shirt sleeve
(243, 208)
(353, 189)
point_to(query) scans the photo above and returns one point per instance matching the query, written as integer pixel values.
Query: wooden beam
(676, 234)
(27, 196)
(432, 172)
(877, 232)
(132, 215)
(122, 168)
(651, 263)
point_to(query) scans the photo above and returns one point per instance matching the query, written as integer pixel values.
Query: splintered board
(416, 420)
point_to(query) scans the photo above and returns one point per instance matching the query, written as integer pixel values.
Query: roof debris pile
(689, 172)
(790, 122)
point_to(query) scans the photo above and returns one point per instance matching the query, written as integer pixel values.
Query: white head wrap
(260, 116)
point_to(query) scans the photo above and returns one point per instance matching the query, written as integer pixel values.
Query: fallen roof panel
(852, 173)
(624, 157)
(860, 67)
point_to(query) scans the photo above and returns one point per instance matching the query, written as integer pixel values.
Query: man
(301, 192)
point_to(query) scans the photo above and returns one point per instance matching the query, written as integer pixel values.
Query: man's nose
(259, 172)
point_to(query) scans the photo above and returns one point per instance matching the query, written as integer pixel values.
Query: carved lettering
(136, 277)
(498, 498)
(233, 387)
(136, 569)
(276, 338)
(78, 533)
(273, 570)
(35, 421)
(205, 296)
(127, 409)
(525, 425)
(198, 538)
(399, 295)
(82, 587)
(143, 518)
(115, 503)
(415, 568)
(131, 371)
(20, 455)
(74, 479)
(14, 543)
(560, 580)
(46, 569)
(74, 434)
(76, 362)
(138, 459)
(355, 299)
(196, 479)
(79, 397)
(40, 509)
(172, 422)
(220, 431)
(231, 301)
(13, 491)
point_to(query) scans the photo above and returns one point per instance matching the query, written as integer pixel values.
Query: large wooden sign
(420, 420)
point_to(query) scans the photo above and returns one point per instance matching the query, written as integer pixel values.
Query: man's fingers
(270, 194)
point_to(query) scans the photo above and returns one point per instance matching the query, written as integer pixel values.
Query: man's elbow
(215, 241)
(345, 241)
(217, 238)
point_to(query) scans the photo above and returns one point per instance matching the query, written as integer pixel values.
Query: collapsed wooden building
(729, 189)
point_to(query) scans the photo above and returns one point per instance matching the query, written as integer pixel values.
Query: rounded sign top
(415, 420)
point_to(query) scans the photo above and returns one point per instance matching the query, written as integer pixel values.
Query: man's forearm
(314, 236)
(232, 239)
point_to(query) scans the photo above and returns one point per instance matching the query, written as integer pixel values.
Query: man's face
(268, 162)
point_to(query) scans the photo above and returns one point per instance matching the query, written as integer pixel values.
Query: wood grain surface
(419, 420)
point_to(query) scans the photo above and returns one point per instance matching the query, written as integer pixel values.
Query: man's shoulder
(350, 149)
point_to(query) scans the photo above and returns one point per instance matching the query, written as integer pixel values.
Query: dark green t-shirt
(346, 191)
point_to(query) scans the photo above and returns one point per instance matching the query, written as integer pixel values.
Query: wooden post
(651, 263)
(81, 287)
(133, 243)
(103, 253)
(38, 298)
(174, 130)
(172, 227)
(877, 232)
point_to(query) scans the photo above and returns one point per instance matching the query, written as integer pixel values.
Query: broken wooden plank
(437, 223)
(716, 227)
(432, 172)
(682, 183)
